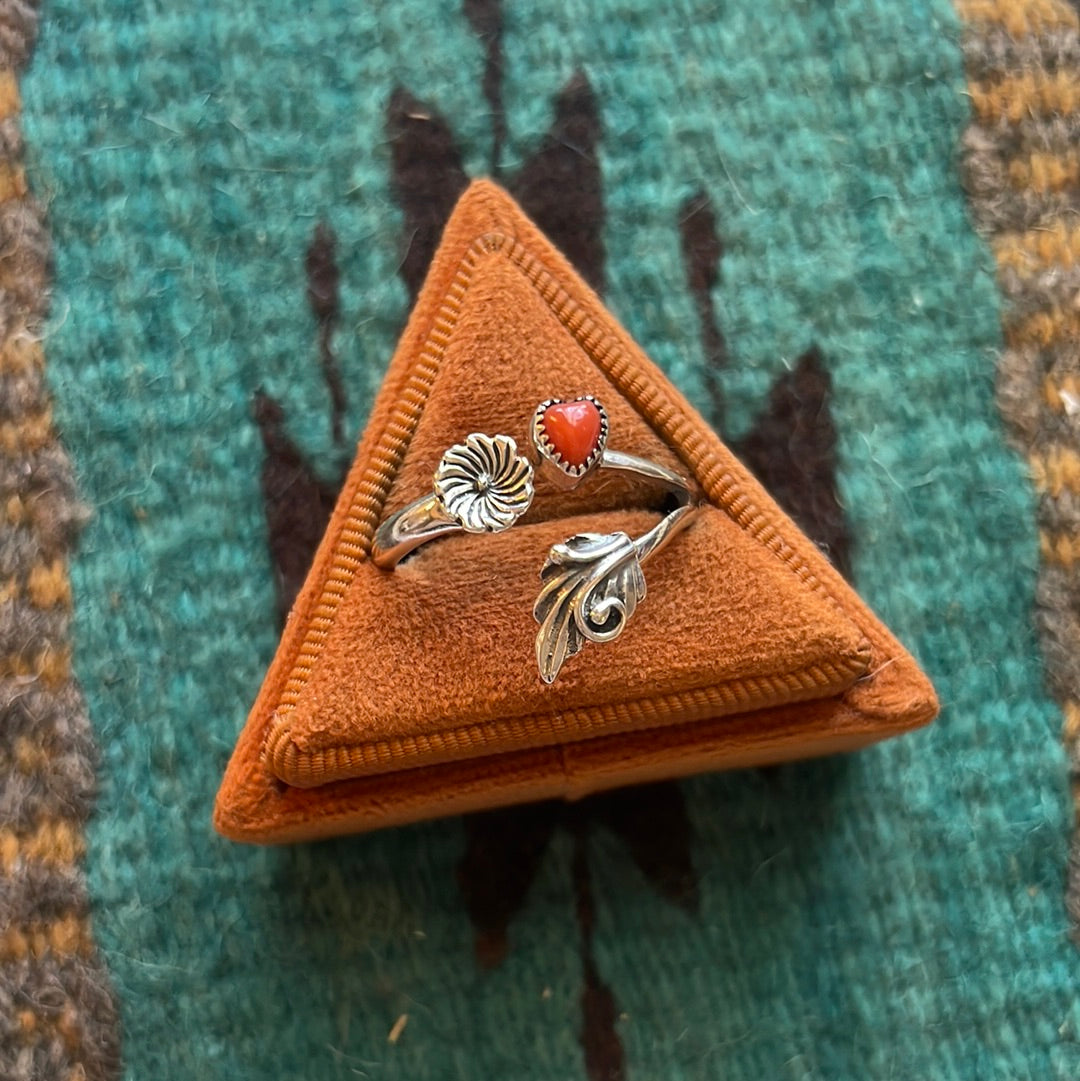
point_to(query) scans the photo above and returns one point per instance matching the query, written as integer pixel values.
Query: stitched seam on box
(308, 768)
(353, 541)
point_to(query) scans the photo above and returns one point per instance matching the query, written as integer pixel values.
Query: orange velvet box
(406, 694)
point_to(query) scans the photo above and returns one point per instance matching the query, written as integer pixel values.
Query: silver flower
(484, 484)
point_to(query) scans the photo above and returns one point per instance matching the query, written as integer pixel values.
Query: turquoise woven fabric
(894, 914)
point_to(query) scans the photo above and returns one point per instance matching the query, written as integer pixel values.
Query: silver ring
(592, 582)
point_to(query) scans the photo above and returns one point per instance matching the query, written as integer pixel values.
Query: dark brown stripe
(560, 186)
(296, 501)
(604, 1056)
(60, 1018)
(997, 53)
(323, 293)
(39, 894)
(486, 19)
(702, 250)
(503, 852)
(428, 177)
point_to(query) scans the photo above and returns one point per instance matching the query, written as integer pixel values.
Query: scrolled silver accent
(484, 484)
(592, 584)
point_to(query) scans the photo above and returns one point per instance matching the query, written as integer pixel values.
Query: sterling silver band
(592, 582)
(428, 518)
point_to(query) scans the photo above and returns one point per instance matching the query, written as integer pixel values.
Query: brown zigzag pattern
(57, 1016)
(1022, 169)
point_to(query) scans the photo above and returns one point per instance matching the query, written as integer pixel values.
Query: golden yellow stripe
(28, 1022)
(20, 354)
(30, 757)
(16, 510)
(20, 511)
(1044, 173)
(1056, 245)
(1072, 719)
(1020, 17)
(68, 936)
(27, 756)
(1061, 549)
(48, 585)
(29, 433)
(9, 94)
(1018, 96)
(1062, 393)
(12, 181)
(36, 1028)
(54, 843)
(1056, 471)
(51, 666)
(1044, 328)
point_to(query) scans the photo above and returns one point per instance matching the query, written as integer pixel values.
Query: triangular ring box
(401, 695)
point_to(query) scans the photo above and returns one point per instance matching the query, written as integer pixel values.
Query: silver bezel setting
(548, 453)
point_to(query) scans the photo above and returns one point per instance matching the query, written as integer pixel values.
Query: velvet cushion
(398, 695)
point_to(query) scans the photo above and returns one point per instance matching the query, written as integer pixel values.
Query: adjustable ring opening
(592, 583)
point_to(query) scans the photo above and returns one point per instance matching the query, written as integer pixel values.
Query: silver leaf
(592, 584)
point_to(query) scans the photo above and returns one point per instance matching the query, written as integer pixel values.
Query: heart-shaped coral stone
(573, 430)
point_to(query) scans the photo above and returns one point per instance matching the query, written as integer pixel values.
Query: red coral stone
(573, 430)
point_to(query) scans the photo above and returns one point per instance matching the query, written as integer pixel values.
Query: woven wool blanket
(846, 231)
